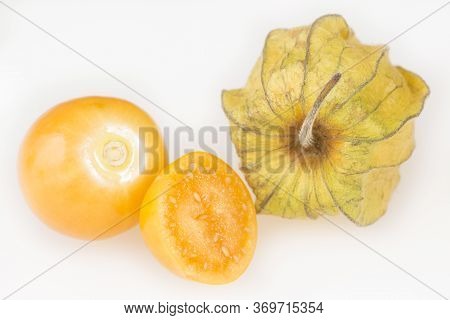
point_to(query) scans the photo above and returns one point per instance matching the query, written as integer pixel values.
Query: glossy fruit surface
(80, 168)
(199, 220)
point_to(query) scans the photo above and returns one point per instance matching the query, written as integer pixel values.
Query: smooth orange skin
(68, 174)
(199, 220)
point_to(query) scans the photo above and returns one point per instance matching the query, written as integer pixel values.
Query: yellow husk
(364, 123)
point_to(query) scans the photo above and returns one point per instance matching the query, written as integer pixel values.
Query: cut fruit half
(199, 220)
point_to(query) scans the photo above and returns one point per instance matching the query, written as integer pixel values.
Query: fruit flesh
(199, 220)
(79, 166)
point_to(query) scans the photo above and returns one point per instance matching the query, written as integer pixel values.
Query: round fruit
(199, 220)
(81, 169)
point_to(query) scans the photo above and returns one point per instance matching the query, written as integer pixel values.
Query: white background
(181, 54)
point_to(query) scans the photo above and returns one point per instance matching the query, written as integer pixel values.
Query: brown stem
(305, 135)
